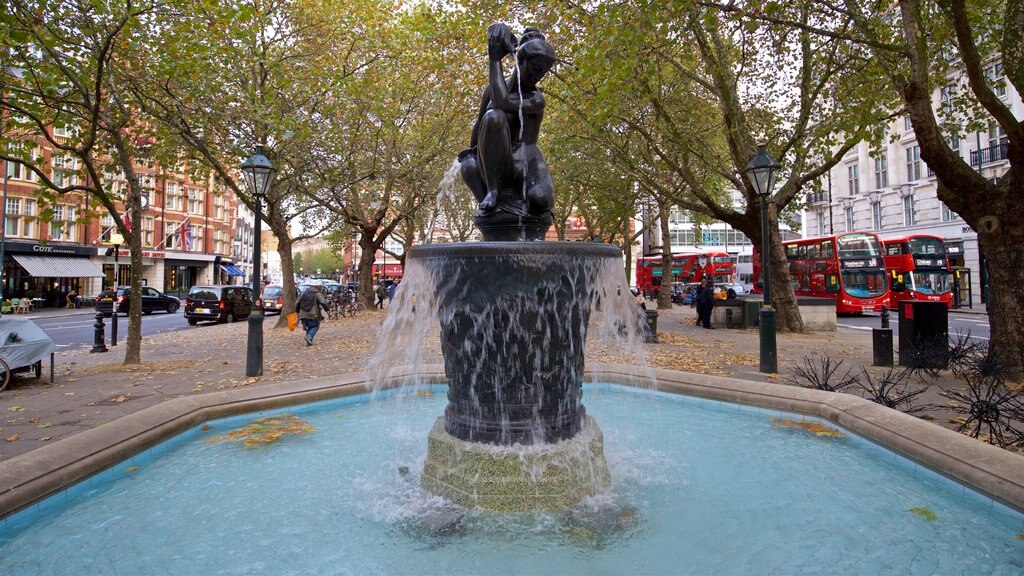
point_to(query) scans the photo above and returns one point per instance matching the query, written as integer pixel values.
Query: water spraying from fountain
(445, 190)
(513, 316)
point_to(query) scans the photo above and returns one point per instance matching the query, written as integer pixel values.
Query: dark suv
(152, 301)
(218, 303)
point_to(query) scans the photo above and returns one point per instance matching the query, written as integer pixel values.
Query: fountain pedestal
(514, 319)
(516, 478)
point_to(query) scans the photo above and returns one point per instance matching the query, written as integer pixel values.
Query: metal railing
(991, 154)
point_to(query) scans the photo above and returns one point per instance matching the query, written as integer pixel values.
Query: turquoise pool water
(699, 487)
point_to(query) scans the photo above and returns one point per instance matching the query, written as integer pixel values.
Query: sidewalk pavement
(91, 389)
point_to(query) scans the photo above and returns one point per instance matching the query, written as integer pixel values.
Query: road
(71, 332)
(77, 331)
(974, 324)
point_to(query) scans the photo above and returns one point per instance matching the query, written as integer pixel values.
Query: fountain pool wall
(29, 478)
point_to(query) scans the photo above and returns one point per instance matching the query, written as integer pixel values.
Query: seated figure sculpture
(503, 166)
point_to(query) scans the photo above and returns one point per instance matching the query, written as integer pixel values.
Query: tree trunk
(284, 251)
(665, 291)
(366, 259)
(1001, 247)
(787, 312)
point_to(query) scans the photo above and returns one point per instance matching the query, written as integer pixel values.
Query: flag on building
(186, 236)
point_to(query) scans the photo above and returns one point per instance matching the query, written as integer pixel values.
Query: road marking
(851, 326)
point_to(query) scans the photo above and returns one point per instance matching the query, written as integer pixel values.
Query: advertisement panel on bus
(918, 269)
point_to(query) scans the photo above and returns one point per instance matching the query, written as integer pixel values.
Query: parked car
(272, 298)
(152, 301)
(218, 303)
(732, 289)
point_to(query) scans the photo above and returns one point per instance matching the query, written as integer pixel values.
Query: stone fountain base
(516, 478)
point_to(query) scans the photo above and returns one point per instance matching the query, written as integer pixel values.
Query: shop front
(183, 271)
(46, 274)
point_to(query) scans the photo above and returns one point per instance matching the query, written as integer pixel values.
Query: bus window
(813, 251)
(826, 249)
(791, 252)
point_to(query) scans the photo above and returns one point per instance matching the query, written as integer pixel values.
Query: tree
(379, 153)
(683, 95)
(264, 80)
(60, 71)
(922, 47)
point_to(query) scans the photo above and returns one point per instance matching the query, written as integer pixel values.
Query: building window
(63, 171)
(953, 140)
(19, 217)
(876, 215)
(881, 172)
(173, 198)
(947, 214)
(849, 218)
(197, 239)
(908, 210)
(62, 226)
(147, 231)
(907, 125)
(913, 163)
(996, 135)
(195, 201)
(18, 171)
(996, 78)
(172, 240)
(218, 207)
(947, 96)
(106, 228)
(853, 178)
(220, 241)
(821, 223)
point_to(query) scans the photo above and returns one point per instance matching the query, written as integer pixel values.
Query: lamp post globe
(762, 172)
(258, 173)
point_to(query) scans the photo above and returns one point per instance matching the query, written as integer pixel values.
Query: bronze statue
(503, 166)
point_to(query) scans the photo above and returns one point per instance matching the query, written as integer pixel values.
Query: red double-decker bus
(686, 267)
(847, 267)
(918, 269)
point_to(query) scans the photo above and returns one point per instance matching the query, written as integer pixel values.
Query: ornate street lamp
(259, 173)
(762, 172)
(116, 239)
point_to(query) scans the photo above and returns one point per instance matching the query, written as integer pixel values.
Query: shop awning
(231, 270)
(58, 266)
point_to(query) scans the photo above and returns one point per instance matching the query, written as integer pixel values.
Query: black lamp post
(762, 171)
(259, 173)
(116, 239)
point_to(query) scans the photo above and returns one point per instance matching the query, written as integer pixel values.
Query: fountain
(714, 474)
(514, 314)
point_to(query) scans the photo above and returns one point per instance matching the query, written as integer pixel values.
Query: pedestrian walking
(311, 306)
(391, 291)
(705, 302)
(380, 292)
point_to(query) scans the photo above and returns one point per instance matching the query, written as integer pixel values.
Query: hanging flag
(128, 221)
(186, 236)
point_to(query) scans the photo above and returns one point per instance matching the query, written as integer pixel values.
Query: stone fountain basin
(31, 477)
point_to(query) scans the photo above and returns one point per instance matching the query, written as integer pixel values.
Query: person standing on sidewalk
(311, 306)
(705, 302)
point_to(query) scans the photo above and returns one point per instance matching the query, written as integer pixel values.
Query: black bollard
(885, 318)
(98, 338)
(882, 344)
(113, 326)
(728, 317)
